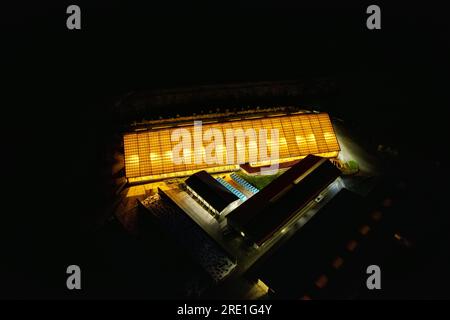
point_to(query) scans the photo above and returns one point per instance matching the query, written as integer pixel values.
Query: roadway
(235, 244)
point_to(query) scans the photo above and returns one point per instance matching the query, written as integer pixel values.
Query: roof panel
(150, 153)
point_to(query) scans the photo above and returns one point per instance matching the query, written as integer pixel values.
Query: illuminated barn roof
(148, 154)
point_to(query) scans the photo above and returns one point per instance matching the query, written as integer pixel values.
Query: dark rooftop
(267, 211)
(211, 190)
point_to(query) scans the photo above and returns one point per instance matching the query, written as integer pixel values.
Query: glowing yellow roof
(148, 154)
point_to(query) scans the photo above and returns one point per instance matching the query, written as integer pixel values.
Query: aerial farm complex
(233, 190)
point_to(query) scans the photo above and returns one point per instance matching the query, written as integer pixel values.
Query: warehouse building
(212, 193)
(265, 214)
(149, 153)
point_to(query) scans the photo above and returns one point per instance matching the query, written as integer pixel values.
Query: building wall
(202, 200)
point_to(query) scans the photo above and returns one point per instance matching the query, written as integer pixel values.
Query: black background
(58, 83)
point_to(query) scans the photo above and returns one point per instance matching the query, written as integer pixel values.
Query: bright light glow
(148, 154)
(133, 160)
(187, 155)
(135, 191)
(262, 285)
(168, 155)
(154, 156)
(301, 141)
(329, 137)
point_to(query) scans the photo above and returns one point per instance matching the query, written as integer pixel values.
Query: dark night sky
(56, 81)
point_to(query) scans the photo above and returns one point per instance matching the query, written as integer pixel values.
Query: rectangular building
(149, 153)
(265, 214)
(213, 194)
